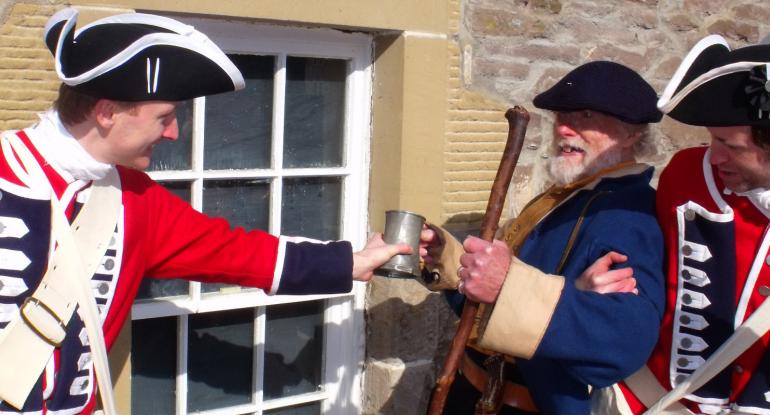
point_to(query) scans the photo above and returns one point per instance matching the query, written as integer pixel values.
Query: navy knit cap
(603, 86)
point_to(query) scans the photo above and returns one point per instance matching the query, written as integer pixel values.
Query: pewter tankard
(402, 226)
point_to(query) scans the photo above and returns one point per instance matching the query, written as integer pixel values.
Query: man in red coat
(713, 204)
(122, 79)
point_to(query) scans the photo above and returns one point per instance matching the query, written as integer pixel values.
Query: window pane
(153, 366)
(311, 207)
(293, 349)
(176, 155)
(239, 124)
(220, 360)
(310, 409)
(244, 203)
(152, 288)
(315, 106)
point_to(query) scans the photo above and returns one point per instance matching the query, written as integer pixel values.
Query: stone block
(403, 320)
(680, 22)
(752, 13)
(395, 387)
(497, 22)
(735, 30)
(676, 136)
(500, 68)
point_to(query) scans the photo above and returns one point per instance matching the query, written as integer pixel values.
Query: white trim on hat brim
(60, 16)
(156, 39)
(668, 92)
(707, 77)
(183, 35)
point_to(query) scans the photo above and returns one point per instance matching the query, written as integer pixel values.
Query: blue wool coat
(596, 339)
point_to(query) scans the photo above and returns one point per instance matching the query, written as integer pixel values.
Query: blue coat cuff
(314, 267)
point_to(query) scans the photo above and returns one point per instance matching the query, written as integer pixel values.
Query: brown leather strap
(574, 233)
(513, 395)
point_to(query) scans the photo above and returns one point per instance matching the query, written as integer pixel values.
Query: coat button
(764, 290)
(686, 343)
(684, 320)
(689, 214)
(104, 288)
(109, 264)
(687, 299)
(767, 260)
(687, 250)
(682, 362)
(686, 275)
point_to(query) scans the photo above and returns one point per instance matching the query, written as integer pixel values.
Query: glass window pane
(176, 155)
(293, 348)
(244, 203)
(309, 409)
(315, 107)
(311, 207)
(220, 360)
(153, 366)
(152, 288)
(239, 124)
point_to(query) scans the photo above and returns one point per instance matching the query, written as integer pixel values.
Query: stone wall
(513, 49)
(27, 80)
(502, 53)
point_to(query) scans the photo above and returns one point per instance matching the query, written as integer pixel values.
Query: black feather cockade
(758, 88)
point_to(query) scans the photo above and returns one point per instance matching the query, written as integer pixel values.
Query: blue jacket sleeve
(602, 338)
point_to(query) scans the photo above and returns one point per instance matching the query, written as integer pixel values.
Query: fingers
(615, 281)
(428, 236)
(611, 258)
(614, 276)
(473, 244)
(623, 286)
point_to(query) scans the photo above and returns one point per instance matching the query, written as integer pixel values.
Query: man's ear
(104, 113)
(632, 136)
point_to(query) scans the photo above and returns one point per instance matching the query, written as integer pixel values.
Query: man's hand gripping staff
(518, 118)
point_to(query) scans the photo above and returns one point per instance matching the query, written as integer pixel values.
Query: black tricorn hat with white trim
(138, 57)
(718, 87)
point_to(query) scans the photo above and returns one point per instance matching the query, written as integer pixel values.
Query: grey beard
(563, 173)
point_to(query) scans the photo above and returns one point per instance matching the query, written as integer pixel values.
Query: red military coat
(157, 234)
(718, 273)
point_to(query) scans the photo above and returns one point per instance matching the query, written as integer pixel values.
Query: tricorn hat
(603, 86)
(718, 87)
(138, 57)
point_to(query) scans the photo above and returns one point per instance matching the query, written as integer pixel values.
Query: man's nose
(172, 130)
(565, 130)
(718, 154)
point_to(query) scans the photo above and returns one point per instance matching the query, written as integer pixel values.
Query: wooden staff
(518, 118)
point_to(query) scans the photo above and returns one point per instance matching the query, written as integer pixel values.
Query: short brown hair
(761, 136)
(74, 106)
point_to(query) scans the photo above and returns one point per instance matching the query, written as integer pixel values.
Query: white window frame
(344, 334)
